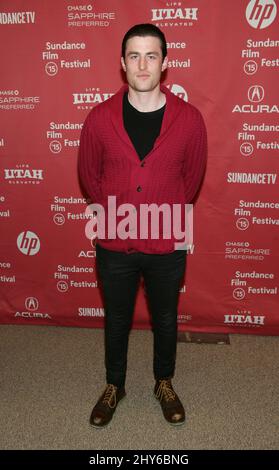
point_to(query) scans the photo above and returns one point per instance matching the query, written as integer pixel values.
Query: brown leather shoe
(105, 407)
(172, 407)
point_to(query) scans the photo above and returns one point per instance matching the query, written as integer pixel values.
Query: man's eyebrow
(135, 52)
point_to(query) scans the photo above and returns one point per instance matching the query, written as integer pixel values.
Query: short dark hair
(145, 29)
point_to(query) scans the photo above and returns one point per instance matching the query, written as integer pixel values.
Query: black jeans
(120, 275)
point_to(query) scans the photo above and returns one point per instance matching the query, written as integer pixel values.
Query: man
(144, 145)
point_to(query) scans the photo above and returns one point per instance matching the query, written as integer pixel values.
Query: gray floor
(52, 376)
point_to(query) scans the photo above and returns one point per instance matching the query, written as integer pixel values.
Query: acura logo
(31, 303)
(256, 93)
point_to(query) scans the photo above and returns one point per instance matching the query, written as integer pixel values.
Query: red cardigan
(170, 173)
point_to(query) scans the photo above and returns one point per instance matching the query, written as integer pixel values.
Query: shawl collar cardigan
(171, 172)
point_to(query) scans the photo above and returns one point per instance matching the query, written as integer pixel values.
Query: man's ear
(123, 64)
(165, 64)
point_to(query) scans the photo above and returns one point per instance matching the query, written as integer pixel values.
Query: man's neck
(146, 101)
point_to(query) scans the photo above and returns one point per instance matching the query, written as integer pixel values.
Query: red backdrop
(58, 60)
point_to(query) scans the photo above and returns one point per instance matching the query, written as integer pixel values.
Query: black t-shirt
(142, 128)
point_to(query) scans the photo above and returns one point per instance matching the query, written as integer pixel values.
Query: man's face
(143, 62)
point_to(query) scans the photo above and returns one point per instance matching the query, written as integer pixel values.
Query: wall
(59, 59)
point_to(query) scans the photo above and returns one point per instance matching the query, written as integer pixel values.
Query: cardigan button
(139, 188)
(142, 164)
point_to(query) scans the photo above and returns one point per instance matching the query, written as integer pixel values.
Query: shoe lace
(110, 396)
(165, 391)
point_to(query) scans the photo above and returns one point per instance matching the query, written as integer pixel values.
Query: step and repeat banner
(60, 59)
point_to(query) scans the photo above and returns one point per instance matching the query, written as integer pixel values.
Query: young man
(144, 145)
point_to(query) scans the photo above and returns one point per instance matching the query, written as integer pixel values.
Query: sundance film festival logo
(261, 13)
(28, 243)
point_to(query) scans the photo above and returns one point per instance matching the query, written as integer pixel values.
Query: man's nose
(142, 63)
